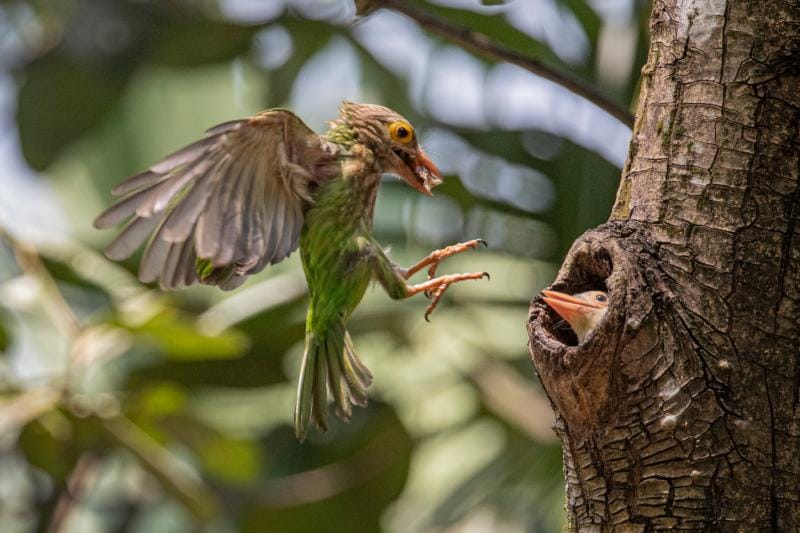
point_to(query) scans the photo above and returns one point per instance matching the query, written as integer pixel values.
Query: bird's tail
(330, 365)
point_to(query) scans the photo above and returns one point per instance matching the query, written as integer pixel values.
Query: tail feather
(338, 384)
(305, 389)
(355, 380)
(360, 371)
(319, 409)
(330, 367)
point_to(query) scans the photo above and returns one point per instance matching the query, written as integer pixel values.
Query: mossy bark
(682, 410)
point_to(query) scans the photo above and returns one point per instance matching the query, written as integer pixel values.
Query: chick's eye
(401, 132)
(601, 298)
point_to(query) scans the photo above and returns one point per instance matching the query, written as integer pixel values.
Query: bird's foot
(437, 256)
(436, 287)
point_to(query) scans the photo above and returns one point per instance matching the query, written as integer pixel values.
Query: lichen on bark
(681, 410)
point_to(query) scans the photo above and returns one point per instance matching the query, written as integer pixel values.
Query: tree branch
(56, 306)
(483, 45)
(77, 485)
(164, 466)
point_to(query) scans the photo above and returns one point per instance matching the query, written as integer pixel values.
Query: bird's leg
(435, 257)
(393, 278)
(435, 288)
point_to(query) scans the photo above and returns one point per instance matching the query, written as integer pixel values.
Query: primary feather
(233, 199)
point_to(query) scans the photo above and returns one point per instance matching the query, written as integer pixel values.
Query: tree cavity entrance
(589, 271)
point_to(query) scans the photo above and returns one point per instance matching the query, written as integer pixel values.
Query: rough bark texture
(681, 411)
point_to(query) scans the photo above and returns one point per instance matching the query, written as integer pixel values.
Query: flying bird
(252, 191)
(582, 311)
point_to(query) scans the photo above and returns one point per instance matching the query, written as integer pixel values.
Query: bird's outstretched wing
(221, 208)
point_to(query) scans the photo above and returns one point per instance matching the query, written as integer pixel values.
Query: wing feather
(225, 126)
(278, 223)
(239, 228)
(185, 155)
(233, 199)
(181, 221)
(170, 265)
(154, 257)
(293, 237)
(131, 238)
(246, 245)
(139, 181)
(231, 228)
(267, 208)
(257, 237)
(161, 194)
(121, 210)
(186, 271)
(209, 224)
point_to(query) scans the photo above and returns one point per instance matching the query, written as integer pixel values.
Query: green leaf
(343, 480)
(230, 460)
(175, 476)
(180, 339)
(364, 7)
(159, 400)
(588, 19)
(47, 444)
(59, 101)
(188, 43)
(270, 335)
(5, 338)
(160, 411)
(55, 440)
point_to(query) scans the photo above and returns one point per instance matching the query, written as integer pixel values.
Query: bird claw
(429, 310)
(435, 291)
(432, 270)
(440, 255)
(434, 287)
(473, 244)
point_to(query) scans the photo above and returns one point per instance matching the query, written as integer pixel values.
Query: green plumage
(336, 250)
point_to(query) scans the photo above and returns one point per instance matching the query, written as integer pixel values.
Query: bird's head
(393, 141)
(582, 311)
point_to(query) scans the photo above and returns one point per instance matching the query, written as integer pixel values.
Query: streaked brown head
(394, 141)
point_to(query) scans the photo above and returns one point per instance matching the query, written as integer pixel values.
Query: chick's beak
(417, 170)
(567, 306)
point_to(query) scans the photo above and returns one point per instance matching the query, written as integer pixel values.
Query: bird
(252, 191)
(582, 311)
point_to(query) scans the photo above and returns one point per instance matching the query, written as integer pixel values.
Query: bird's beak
(567, 306)
(417, 170)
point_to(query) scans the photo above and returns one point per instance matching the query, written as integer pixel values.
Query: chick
(582, 311)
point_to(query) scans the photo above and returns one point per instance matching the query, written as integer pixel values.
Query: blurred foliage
(127, 409)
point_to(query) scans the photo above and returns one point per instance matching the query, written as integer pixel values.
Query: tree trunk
(681, 410)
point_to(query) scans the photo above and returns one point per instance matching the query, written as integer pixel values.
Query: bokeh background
(123, 408)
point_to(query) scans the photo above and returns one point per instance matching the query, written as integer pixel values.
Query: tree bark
(681, 410)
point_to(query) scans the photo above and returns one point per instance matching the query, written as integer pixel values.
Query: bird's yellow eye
(401, 131)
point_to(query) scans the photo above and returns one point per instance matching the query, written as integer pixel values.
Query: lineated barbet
(251, 191)
(582, 311)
